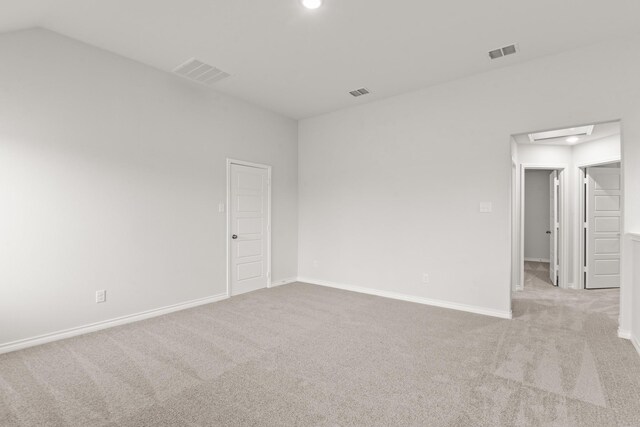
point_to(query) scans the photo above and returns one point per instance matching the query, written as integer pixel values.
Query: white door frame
(228, 208)
(563, 263)
(580, 170)
(515, 232)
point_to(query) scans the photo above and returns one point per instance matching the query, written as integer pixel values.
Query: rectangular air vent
(360, 92)
(200, 72)
(504, 51)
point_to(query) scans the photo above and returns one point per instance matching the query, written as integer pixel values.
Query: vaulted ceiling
(303, 62)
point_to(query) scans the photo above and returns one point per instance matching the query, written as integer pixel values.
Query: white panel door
(604, 203)
(554, 227)
(249, 218)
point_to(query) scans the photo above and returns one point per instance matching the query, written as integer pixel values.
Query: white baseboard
(624, 334)
(410, 298)
(283, 282)
(81, 330)
(536, 259)
(627, 335)
(636, 343)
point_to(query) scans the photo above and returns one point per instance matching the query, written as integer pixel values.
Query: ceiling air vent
(200, 72)
(359, 92)
(504, 51)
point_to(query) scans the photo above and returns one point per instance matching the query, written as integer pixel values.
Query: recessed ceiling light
(312, 4)
(573, 139)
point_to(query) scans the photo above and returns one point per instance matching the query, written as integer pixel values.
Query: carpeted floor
(307, 355)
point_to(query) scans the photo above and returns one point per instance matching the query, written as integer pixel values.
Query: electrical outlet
(425, 278)
(101, 296)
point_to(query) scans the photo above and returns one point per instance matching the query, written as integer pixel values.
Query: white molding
(93, 327)
(628, 335)
(411, 298)
(602, 162)
(624, 334)
(536, 259)
(636, 343)
(283, 281)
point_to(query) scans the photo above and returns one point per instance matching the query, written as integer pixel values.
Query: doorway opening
(248, 227)
(567, 209)
(542, 226)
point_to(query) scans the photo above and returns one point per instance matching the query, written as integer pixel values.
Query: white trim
(410, 298)
(536, 259)
(579, 231)
(513, 227)
(283, 282)
(627, 335)
(259, 166)
(610, 160)
(624, 334)
(93, 327)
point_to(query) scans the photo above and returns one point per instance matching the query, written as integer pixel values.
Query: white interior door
(554, 227)
(604, 200)
(249, 228)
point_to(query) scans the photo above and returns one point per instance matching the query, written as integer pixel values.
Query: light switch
(221, 207)
(101, 296)
(486, 207)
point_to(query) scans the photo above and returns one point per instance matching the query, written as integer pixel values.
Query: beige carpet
(306, 355)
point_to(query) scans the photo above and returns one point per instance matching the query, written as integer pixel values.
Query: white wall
(599, 151)
(536, 215)
(390, 189)
(110, 177)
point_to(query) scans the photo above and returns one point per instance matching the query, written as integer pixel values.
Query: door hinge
(586, 225)
(557, 182)
(269, 274)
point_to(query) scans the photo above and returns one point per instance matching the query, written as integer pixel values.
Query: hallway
(553, 301)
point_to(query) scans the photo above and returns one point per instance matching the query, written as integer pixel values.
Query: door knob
(548, 232)
(235, 236)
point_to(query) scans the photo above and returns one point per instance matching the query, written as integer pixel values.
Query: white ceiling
(302, 63)
(600, 131)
